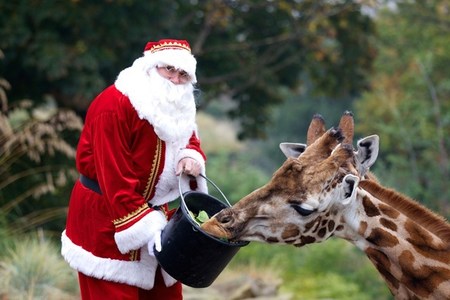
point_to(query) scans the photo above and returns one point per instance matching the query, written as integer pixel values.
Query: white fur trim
(180, 59)
(137, 273)
(140, 233)
(185, 152)
(201, 182)
(166, 189)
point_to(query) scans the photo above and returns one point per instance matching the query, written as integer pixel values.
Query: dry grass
(246, 282)
(33, 269)
(32, 150)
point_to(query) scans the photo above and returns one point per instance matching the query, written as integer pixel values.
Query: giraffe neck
(408, 244)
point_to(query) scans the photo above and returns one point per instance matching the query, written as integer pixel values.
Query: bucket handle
(209, 180)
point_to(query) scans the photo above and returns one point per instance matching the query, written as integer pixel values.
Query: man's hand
(189, 166)
(158, 222)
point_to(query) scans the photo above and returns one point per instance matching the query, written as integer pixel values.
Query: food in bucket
(200, 218)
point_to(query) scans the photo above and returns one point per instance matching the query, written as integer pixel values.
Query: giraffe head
(303, 201)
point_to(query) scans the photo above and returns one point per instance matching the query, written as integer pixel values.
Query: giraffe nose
(224, 217)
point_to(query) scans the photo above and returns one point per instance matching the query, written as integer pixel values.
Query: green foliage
(255, 53)
(245, 49)
(312, 287)
(409, 104)
(32, 268)
(233, 175)
(291, 120)
(335, 270)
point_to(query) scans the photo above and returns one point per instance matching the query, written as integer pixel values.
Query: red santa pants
(97, 289)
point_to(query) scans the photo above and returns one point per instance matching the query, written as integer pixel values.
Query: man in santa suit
(139, 137)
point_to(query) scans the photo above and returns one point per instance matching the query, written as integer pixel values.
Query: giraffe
(324, 189)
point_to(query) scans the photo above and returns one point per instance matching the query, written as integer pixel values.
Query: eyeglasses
(171, 71)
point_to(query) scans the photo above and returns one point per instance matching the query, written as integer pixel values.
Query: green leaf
(193, 217)
(202, 216)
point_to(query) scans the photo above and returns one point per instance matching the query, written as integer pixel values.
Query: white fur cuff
(140, 233)
(183, 153)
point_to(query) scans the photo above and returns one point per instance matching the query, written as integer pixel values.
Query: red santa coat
(106, 235)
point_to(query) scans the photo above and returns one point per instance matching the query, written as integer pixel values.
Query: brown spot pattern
(422, 280)
(290, 231)
(305, 240)
(339, 228)
(272, 239)
(422, 241)
(322, 232)
(290, 241)
(317, 224)
(378, 257)
(388, 224)
(389, 211)
(309, 225)
(410, 208)
(331, 225)
(418, 236)
(405, 260)
(382, 238)
(383, 265)
(362, 228)
(370, 209)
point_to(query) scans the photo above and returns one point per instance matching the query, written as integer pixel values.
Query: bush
(33, 269)
(233, 175)
(335, 269)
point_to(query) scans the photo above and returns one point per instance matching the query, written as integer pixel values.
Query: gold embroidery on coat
(154, 171)
(134, 255)
(131, 216)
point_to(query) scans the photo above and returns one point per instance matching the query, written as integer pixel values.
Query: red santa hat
(176, 53)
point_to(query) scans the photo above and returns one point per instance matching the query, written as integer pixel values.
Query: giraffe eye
(302, 211)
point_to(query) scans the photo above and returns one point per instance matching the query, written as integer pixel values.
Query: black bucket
(188, 253)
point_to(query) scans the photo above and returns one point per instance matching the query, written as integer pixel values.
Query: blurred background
(265, 67)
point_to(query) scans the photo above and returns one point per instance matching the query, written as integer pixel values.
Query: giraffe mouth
(214, 227)
(224, 226)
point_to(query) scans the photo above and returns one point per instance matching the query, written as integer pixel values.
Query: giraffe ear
(367, 153)
(292, 149)
(349, 185)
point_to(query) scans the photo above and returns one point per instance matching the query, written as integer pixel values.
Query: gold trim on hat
(169, 45)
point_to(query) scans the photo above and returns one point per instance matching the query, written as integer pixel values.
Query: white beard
(168, 107)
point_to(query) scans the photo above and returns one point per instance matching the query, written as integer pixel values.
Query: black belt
(90, 184)
(93, 186)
